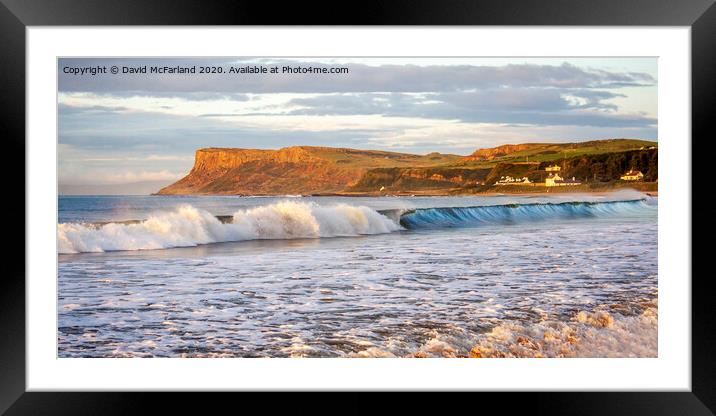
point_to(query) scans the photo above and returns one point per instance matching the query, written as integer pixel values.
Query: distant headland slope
(291, 170)
(310, 170)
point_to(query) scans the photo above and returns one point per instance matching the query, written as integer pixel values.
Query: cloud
(118, 129)
(360, 78)
(191, 96)
(143, 176)
(526, 93)
(520, 106)
(150, 158)
(89, 110)
(165, 157)
(465, 138)
(135, 136)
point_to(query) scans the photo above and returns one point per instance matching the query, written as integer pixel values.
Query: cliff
(324, 170)
(418, 179)
(291, 170)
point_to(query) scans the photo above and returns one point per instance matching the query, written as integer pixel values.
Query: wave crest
(188, 226)
(515, 213)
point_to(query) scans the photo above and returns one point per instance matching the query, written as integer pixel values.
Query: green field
(310, 170)
(598, 164)
(554, 152)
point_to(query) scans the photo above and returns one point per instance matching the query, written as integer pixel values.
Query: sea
(553, 275)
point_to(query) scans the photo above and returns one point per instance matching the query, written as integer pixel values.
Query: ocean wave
(516, 213)
(188, 226)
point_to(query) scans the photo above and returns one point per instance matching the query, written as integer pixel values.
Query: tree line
(610, 166)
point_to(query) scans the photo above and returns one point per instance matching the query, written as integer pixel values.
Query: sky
(132, 132)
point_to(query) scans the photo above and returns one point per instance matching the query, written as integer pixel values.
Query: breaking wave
(515, 213)
(188, 226)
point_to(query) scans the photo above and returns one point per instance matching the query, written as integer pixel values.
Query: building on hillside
(553, 168)
(509, 180)
(632, 175)
(556, 180)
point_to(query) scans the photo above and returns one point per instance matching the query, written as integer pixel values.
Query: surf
(188, 226)
(516, 213)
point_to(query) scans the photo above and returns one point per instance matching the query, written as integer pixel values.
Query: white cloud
(123, 177)
(467, 137)
(178, 106)
(116, 131)
(142, 176)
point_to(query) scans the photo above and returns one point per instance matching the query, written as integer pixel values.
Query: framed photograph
(474, 203)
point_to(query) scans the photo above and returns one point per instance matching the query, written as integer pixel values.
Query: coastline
(563, 325)
(648, 188)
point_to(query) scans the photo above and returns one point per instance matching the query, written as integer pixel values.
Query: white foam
(189, 226)
(589, 334)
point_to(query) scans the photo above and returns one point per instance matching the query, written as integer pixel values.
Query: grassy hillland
(311, 170)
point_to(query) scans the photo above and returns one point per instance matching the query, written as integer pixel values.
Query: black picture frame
(16, 15)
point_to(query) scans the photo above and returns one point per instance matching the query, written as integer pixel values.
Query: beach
(558, 275)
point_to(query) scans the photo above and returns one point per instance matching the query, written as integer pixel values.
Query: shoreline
(449, 192)
(386, 212)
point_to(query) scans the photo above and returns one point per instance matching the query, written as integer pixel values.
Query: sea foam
(189, 226)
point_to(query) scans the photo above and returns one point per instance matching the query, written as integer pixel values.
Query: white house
(632, 175)
(509, 180)
(556, 180)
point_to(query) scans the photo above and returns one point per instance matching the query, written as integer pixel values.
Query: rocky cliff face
(291, 170)
(262, 172)
(416, 179)
(320, 170)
